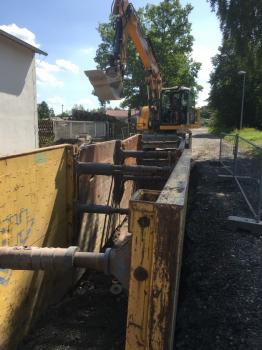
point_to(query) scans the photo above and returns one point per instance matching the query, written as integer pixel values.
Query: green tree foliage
(44, 111)
(206, 112)
(64, 115)
(51, 113)
(241, 49)
(168, 28)
(79, 113)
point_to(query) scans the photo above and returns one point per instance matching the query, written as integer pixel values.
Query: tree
(51, 113)
(205, 112)
(241, 49)
(168, 28)
(64, 115)
(78, 112)
(43, 110)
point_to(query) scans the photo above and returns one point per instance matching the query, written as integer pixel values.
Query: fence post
(220, 148)
(55, 130)
(70, 130)
(260, 193)
(235, 154)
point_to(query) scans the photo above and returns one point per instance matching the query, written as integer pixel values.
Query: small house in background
(18, 106)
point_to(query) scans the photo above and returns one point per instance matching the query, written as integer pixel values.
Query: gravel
(220, 303)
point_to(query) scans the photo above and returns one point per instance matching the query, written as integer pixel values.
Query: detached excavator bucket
(108, 85)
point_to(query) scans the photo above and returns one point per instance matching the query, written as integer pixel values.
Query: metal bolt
(144, 221)
(140, 274)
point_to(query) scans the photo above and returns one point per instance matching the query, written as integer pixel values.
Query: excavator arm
(108, 84)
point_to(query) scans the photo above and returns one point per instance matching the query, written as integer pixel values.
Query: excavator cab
(176, 107)
(175, 111)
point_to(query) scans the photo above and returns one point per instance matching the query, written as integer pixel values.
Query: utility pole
(242, 72)
(62, 108)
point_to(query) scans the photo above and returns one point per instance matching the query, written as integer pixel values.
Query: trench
(220, 301)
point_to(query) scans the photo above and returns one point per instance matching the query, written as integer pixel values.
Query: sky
(66, 30)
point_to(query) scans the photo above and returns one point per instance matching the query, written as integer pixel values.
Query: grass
(250, 134)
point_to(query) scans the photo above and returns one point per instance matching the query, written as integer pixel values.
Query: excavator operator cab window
(190, 103)
(173, 104)
(165, 108)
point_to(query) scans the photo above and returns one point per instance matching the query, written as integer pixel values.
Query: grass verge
(250, 134)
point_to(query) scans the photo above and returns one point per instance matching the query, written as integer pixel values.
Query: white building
(18, 105)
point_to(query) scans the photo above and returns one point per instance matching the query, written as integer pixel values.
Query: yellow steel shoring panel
(157, 226)
(36, 196)
(142, 226)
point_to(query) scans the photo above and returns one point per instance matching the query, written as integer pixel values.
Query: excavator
(169, 109)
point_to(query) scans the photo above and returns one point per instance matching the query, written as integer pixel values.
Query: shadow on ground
(205, 136)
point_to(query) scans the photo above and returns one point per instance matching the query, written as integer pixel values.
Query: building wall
(18, 108)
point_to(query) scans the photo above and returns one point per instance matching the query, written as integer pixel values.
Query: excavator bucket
(108, 85)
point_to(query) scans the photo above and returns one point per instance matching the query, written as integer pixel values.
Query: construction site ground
(220, 303)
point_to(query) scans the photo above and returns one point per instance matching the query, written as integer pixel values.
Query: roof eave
(23, 43)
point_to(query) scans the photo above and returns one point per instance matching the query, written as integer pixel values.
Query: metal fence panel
(69, 129)
(243, 160)
(227, 151)
(248, 171)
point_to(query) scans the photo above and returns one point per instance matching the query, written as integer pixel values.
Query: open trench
(220, 303)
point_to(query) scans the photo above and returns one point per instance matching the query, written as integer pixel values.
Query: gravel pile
(220, 305)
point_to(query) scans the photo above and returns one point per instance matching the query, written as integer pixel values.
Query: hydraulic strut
(115, 261)
(101, 209)
(161, 154)
(112, 169)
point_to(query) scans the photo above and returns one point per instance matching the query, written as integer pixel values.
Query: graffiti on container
(5, 276)
(14, 229)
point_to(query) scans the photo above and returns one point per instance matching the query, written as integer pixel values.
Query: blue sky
(66, 30)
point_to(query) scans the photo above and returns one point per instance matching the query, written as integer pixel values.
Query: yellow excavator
(169, 109)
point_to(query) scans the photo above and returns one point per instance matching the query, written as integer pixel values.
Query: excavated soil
(220, 304)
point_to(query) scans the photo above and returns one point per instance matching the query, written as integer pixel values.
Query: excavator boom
(108, 84)
(168, 109)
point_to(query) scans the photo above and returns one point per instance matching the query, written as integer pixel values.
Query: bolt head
(140, 274)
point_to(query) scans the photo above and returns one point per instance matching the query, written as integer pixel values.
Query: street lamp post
(242, 72)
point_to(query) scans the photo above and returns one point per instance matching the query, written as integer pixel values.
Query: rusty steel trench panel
(36, 197)
(96, 229)
(157, 220)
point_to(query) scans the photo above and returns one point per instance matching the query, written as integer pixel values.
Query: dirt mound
(220, 304)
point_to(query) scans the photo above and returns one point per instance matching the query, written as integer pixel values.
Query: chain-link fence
(226, 154)
(45, 132)
(243, 160)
